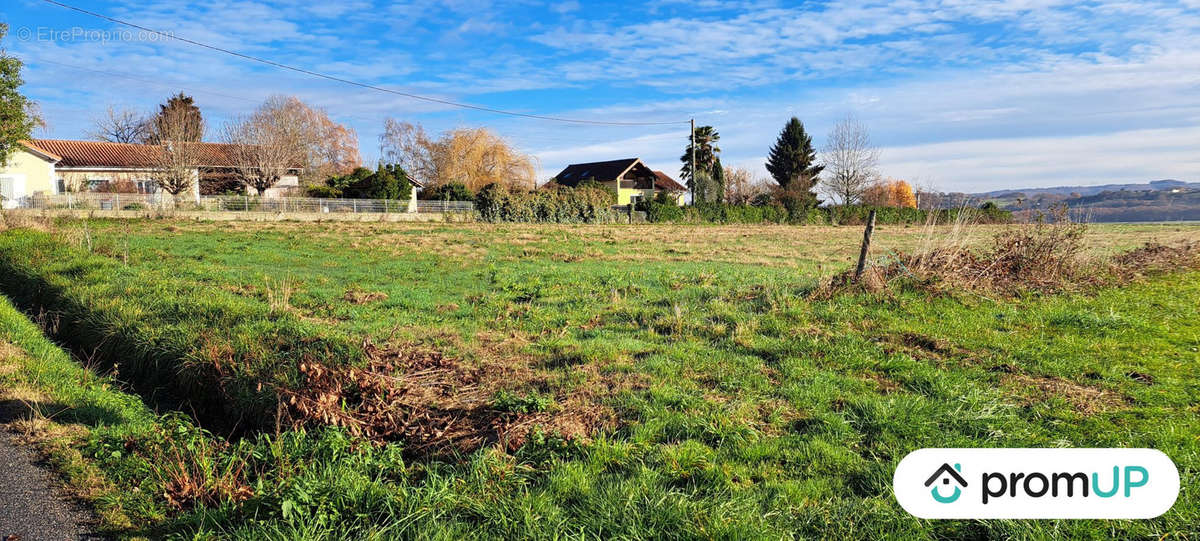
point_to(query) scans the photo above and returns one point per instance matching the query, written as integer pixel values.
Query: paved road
(31, 505)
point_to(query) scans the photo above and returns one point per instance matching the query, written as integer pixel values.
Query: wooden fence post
(866, 246)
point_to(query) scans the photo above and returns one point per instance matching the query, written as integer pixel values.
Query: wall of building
(625, 195)
(285, 187)
(82, 180)
(27, 174)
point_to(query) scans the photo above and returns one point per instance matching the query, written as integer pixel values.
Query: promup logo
(946, 473)
(1036, 483)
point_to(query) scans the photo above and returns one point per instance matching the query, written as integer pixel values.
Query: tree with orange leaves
(890, 193)
(901, 195)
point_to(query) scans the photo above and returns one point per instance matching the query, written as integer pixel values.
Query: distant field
(725, 403)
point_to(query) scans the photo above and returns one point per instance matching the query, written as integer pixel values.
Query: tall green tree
(710, 186)
(178, 119)
(792, 161)
(17, 116)
(707, 154)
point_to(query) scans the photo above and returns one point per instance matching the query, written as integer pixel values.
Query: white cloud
(929, 76)
(988, 164)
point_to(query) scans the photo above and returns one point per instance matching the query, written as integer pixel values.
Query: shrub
(659, 212)
(387, 182)
(768, 211)
(594, 185)
(453, 191)
(323, 191)
(497, 203)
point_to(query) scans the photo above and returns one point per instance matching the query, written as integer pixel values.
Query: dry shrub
(25, 220)
(437, 405)
(1037, 256)
(199, 473)
(1154, 257)
(1041, 256)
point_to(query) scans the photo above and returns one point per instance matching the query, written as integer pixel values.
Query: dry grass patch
(1041, 257)
(882, 384)
(439, 405)
(1086, 400)
(358, 296)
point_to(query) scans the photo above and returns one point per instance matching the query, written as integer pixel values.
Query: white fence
(234, 203)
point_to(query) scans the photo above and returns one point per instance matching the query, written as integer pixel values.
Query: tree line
(845, 171)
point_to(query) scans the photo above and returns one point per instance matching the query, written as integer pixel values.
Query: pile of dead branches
(433, 404)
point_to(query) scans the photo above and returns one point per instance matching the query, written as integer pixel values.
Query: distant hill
(1090, 190)
(1159, 200)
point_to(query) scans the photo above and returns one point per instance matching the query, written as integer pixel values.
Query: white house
(54, 166)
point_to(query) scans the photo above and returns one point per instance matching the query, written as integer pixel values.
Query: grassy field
(703, 393)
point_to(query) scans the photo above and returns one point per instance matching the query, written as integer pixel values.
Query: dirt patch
(357, 296)
(1084, 399)
(439, 405)
(882, 384)
(916, 345)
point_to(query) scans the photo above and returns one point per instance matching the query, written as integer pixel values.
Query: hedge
(720, 213)
(548, 205)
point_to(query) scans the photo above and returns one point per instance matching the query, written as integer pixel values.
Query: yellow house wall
(625, 195)
(37, 172)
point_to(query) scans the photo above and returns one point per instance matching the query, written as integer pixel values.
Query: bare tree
(332, 148)
(850, 162)
(120, 126)
(176, 159)
(474, 157)
(926, 192)
(270, 143)
(408, 146)
(741, 186)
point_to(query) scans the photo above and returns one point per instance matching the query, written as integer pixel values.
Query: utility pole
(693, 147)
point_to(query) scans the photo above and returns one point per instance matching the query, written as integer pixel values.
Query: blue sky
(960, 95)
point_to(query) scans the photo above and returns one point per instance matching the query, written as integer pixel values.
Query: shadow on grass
(13, 410)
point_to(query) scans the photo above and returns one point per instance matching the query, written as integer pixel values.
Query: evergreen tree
(17, 118)
(792, 161)
(177, 119)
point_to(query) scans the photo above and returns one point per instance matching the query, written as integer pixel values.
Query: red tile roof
(29, 145)
(664, 182)
(122, 155)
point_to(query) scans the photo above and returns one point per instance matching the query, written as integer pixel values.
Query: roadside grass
(761, 414)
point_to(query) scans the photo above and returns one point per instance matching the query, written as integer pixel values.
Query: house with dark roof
(631, 179)
(54, 166)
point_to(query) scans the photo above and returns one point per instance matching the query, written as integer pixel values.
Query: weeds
(1044, 256)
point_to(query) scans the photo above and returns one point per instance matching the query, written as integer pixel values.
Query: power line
(162, 84)
(355, 83)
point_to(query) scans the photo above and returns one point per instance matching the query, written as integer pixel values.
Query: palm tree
(706, 153)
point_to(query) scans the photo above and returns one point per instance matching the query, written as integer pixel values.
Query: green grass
(762, 414)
